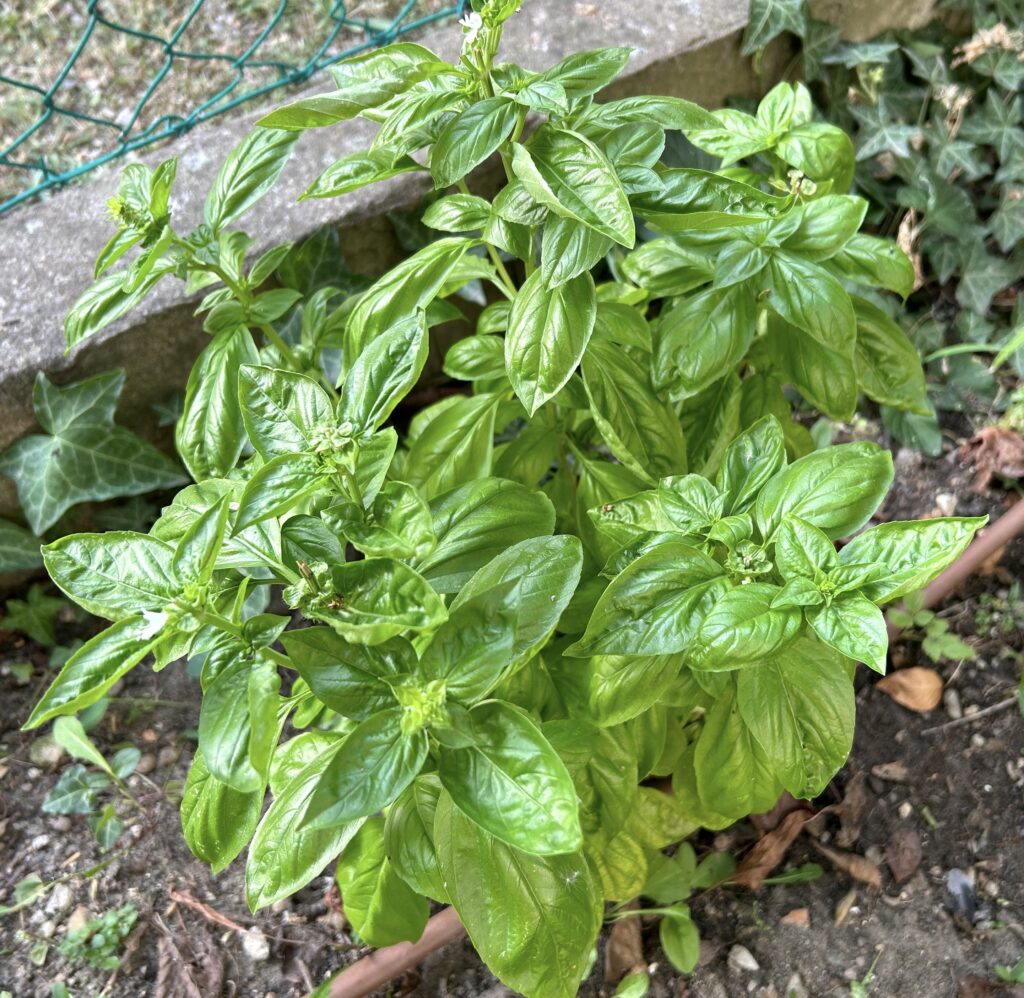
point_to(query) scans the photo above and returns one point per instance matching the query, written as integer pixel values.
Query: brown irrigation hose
(988, 541)
(384, 965)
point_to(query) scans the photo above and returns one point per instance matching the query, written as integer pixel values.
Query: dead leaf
(846, 902)
(906, 239)
(625, 951)
(768, 851)
(993, 450)
(858, 867)
(894, 772)
(850, 811)
(800, 917)
(903, 854)
(916, 688)
(189, 967)
(980, 987)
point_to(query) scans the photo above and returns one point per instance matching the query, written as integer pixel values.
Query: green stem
(216, 620)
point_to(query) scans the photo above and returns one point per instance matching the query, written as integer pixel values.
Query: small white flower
(155, 621)
(471, 25)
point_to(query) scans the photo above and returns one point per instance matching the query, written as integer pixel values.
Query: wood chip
(769, 850)
(800, 917)
(855, 866)
(903, 853)
(916, 688)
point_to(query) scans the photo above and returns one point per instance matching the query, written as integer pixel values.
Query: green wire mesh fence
(79, 88)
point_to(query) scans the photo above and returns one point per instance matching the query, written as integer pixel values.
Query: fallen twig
(210, 914)
(977, 715)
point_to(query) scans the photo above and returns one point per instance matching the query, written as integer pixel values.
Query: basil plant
(610, 557)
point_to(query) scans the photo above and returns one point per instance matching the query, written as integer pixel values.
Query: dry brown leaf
(846, 902)
(189, 967)
(916, 688)
(993, 450)
(980, 987)
(851, 810)
(906, 239)
(858, 867)
(894, 772)
(800, 917)
(903, 854)
(625, 951)
(767, 852)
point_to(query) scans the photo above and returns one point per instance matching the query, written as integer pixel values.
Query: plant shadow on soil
(964, 786)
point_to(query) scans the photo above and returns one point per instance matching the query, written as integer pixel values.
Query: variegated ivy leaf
(82, 455)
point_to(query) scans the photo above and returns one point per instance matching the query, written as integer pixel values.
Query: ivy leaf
(33, 615)
(983, 276)
(83, 456)
(19, 550)
(996, 125)
(769, 18)
(882, 133)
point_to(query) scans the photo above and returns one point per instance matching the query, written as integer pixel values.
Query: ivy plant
(610, 556)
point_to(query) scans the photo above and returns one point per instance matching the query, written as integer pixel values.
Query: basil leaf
(742, 627)
(210, 434)
(878, 263)
(376, 599)
(279, 485)
(757, 454)
(216, 820)
(584, 73)
(409, 837)
(374, 764)
(354, 680)
(567, 173)
(379, 904)
(537, 578)
(913, 553)
(476, 522)
(826, 225)
(470, 137)
(113, 575)
(282, 410)
(801, 549)
(700, 337)
(551, 909)
(476, 358)
(548, 331)
(854, 627)
(250, 170)
(641, 430)
(288, 850)
(359, 169)
(456, 447)
(94, 668)
(836, 489)
(383, 374)
(568, 249)
(656, 605)
(799, 705)
(888, 364)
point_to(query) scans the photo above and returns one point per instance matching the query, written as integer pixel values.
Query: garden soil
(920, 801)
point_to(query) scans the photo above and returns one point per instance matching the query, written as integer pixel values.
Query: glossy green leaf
(359, 169)
(742, 627)
(551, 911)
(282, 410)
(374, 764)
(379, 904)
(409, 837)
(888, 364)
(470, 137)
(809, 297)
(216, 820)
(548, 331)
(854, 627)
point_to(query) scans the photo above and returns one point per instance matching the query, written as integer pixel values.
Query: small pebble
(741, 959)
(795, 988)
(977, 740)
(147, 764)
(256, 946)
(906, 809)
(61, 898)
(62, 823)
(167, 756)
(39, 842)
(45, 752)
(78, 918)
(47, 929)
(952, 701)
